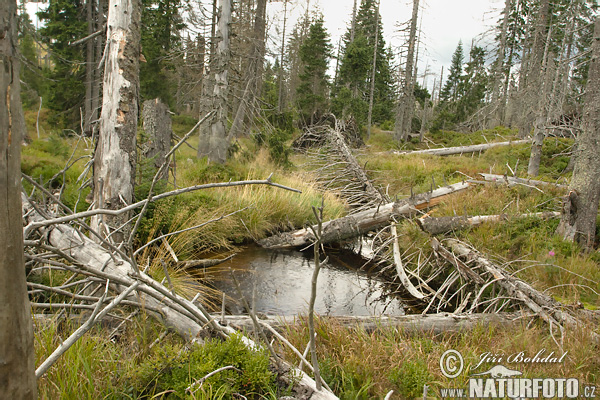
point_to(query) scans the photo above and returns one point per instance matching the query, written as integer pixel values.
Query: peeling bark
(115, 157)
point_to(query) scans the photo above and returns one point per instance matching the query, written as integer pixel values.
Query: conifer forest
(299, 199)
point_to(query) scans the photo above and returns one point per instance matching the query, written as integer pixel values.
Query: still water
(281, 282)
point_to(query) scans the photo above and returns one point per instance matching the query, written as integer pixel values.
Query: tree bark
(157, 125)
(580, 206)
(115, 156)
(361, 222)
(17, 362)
(214, 143)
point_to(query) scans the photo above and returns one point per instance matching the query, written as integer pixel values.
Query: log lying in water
(361, 222)
(199, 264)
(441, 225)
(447, 151)
(411, 324)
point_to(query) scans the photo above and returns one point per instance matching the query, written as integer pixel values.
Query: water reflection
(281, 283)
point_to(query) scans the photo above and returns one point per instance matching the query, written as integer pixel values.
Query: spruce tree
(313, 91)
(451, 88)
(161, 26)
(352, 88)
(64, 22)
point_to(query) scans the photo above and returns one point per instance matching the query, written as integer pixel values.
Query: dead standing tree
(214, 141)
(17, 362)
(406, 103)
(580, 207)
(115, 156)
(157, 125)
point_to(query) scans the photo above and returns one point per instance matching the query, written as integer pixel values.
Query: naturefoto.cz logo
(501, 382)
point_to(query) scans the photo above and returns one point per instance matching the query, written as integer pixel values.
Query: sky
(443, 24)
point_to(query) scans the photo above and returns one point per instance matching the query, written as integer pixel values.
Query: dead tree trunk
(448, 151)
(373, 71)
(17, 362)
(540, 303)
(115, 157)
(580, 206)
(157, 125)
(361, 222)
(213, 139)
(255, 69)
(497, 71)
(406, 104)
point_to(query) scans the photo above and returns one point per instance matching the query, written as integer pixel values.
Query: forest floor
(140, 362)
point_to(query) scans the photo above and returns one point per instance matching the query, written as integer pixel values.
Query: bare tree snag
(361, 222)
(253, 74)
(17, 362)
(115, 156)
(157, 125)
(406, 104)
(214, 142)
(373, 71)
(580, 206)
(441, 225)
(448, 151)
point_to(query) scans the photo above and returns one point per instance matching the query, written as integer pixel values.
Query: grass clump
(172, 371)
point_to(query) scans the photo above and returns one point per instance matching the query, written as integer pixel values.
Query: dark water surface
(281, 281)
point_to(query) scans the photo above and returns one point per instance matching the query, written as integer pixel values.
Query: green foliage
(43, 159)
(410, 378)
(173, 371)
(347, 382)
(31, 74)
(64, 22)
(450, 90)
(162, 23)
(351, 92)
(463, 94)
(313, 91)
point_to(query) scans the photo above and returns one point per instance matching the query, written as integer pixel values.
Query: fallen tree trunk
(337, 140)
(177, 313)
(447, 151)
(361, 222)
(512, 181)
(544, 306)
(441, 225)
(411, 324)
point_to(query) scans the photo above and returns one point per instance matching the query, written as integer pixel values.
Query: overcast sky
(443, 24)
